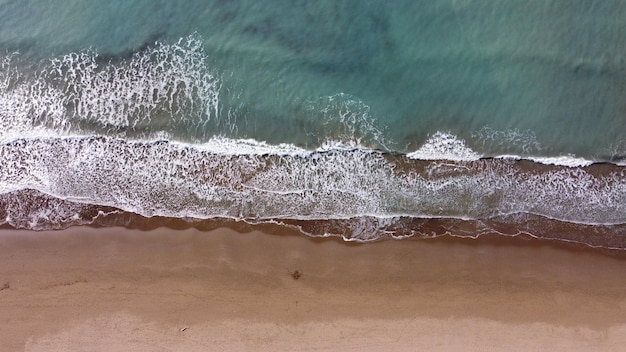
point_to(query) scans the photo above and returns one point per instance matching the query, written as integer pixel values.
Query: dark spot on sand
(296, 274)
(6, 286)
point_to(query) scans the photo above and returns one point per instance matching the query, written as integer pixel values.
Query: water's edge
(356, 229)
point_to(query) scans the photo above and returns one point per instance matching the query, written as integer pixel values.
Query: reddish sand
(86, 289)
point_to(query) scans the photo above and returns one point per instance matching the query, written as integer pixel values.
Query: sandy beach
(113, 289)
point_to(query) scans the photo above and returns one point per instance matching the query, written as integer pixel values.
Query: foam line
(185, 180)
(444, 146)
(166, 85)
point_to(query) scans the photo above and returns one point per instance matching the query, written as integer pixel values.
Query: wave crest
(163, 88)
(184, 180)
(444, 146)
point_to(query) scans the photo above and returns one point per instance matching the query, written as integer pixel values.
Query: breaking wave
(177, 180)
(167, 87)
(83, 141)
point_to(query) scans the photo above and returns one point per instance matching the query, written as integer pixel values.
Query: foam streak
(183, 180)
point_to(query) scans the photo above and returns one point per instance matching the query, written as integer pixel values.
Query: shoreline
(163, 289)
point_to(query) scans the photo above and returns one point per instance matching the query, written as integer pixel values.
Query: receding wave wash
(363, 120)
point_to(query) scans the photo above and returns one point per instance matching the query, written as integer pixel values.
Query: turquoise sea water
(315, 110)
(554, 72)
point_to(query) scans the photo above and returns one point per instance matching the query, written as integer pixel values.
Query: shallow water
(317, 110)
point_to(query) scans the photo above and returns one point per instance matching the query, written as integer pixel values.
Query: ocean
(364, 120)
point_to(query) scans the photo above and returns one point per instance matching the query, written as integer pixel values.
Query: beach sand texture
(114, 289)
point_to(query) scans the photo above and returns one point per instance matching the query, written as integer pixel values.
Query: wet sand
(115, 289)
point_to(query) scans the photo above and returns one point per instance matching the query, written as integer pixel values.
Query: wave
(166, 87)
(30, 209)
(444, 146)
(83, 141)
(265, 183)
(171, 92)
(447, 146)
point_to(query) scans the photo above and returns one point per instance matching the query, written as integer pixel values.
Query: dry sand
(113, 289)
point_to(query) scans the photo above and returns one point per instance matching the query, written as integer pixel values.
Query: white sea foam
(166, 85)
(345, 122)
(444, 146)
(170, 79)
(264, 183)
(26, 106)
(63, 131)
(230, 146)
(570, 160)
